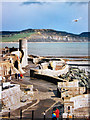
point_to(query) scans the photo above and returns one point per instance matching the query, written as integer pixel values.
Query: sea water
(55, 49)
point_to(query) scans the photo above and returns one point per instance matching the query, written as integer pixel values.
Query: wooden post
(9, 113)
(21, 114)
(44, 115)
(32, 114)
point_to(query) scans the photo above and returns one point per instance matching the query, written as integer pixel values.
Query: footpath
(43, 99)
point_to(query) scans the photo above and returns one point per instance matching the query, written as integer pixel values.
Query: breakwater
(52, 79)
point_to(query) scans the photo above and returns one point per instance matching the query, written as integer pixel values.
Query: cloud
(31, 3)
(80, 1)
(77, 3)
(41, 1)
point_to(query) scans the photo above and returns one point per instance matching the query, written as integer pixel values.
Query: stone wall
(73, 91)
(81, 101)
(73, 83)
(11, 97)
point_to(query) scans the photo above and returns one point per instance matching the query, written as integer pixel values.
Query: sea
(55, 49)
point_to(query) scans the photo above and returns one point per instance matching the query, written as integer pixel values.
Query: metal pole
(9, 113)
(44, 115)
(21, 114)
(32, 114)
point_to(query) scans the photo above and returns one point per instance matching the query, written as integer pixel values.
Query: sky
(59, 16)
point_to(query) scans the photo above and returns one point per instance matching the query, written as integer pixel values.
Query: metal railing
(9, 115)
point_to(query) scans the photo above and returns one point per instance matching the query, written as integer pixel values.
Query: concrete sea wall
(54, 72)
(44, 77)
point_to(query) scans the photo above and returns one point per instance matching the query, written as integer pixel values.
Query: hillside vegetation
(15, 37)
(43, 35)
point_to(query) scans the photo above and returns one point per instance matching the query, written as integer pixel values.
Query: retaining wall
(44, 77)
(11, 96)
(81, 101)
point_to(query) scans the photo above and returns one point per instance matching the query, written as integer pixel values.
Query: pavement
(44, 98)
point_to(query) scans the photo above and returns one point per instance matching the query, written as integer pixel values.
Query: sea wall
(11, 97)
(54, 72)
(52, 79)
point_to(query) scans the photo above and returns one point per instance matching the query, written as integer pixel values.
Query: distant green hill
(15, 37)
(43, 35)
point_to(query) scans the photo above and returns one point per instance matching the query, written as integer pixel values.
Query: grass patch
(15, 37)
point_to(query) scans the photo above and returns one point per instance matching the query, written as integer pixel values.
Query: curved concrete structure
(54, 73)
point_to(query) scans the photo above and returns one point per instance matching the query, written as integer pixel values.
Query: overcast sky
(45, 15)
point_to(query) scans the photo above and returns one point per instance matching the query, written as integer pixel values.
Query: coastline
(49, 42)
(9, 42)
(58, 42)
(53, 43)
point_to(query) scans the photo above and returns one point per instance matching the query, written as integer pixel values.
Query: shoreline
(62, 56)
(67, 57)
(49, 42)
(9, 42)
